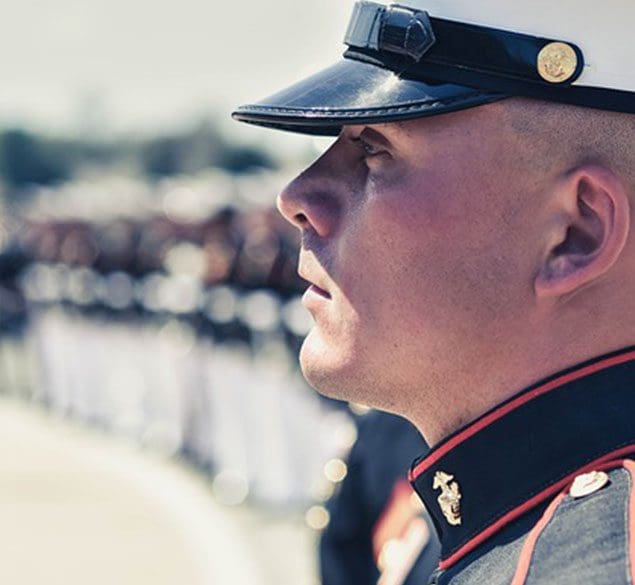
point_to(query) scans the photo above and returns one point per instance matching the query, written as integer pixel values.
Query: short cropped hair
(574, 135)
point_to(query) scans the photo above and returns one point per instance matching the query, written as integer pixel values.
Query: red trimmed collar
(525, 450)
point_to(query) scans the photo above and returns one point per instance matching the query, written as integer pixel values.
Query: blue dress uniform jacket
(540, 489)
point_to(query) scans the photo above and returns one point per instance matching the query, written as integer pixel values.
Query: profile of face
(417, 239)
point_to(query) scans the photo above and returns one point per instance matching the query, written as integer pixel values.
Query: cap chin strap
(394, 29)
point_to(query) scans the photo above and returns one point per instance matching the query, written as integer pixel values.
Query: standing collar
(519, 454)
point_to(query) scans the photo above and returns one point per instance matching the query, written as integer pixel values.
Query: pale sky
(151, 64)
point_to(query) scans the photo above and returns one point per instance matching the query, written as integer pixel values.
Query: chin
(338, 371)
(325, 366)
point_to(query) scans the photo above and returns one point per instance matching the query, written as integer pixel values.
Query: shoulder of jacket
(584, 534)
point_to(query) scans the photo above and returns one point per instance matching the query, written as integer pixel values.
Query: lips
(314, 288)
(319, 291)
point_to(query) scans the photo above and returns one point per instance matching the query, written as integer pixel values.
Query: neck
(481, 387)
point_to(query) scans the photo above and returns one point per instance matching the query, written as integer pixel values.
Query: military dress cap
(428, 57)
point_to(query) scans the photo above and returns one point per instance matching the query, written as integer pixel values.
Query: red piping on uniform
(528, 548)
(631, 520)
(500, 412)
(606, 460)
(524, 560)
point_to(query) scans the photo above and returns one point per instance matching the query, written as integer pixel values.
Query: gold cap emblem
(557, 62)
(450, 498)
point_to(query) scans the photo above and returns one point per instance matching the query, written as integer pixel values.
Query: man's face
(417, 237)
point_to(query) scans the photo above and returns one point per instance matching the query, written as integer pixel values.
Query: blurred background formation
(169, 312)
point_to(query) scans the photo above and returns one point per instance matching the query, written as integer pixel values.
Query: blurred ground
(78, 506)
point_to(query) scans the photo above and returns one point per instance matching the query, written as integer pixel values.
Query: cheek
(379, 254)
(400, 227)
(435, 256)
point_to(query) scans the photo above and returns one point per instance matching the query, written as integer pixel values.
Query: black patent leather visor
(354, 92)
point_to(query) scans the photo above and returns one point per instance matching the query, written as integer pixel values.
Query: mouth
(319, 291)
(314, 291)
(314, 299)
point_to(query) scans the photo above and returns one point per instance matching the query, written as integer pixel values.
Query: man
(469, 240)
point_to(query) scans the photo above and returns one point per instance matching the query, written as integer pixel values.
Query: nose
(311, 201)
(289, 204)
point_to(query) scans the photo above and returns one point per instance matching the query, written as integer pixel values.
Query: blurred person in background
(13, 260)
(469, 243)
(379, 531)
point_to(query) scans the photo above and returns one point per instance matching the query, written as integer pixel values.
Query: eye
(368, 148)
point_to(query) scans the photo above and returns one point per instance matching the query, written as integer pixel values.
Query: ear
(591, 222)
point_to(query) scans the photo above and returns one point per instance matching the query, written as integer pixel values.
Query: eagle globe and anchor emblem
(450, 498)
